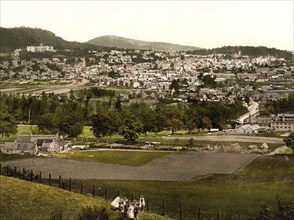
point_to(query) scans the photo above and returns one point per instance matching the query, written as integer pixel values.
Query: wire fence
(172, 209)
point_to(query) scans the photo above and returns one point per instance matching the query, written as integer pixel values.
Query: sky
(206, 24)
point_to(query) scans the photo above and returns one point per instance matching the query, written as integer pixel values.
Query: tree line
(67, 114)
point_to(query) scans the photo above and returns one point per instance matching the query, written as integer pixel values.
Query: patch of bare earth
(231, 138)
(172, 167)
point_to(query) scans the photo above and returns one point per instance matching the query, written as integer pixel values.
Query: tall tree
(289, 141)
(131, 129)
(7, 124)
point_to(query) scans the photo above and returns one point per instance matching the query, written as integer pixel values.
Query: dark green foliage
(279, 106)
(175, 86)
(7, 124)
(56, 215)
(282, 211)
(93, 213)
(21, 37)
(289, 141)
(105, 123)
(247, 51)
(131, 128)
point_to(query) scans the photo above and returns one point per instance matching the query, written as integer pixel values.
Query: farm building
(32, 144)
(20, 148)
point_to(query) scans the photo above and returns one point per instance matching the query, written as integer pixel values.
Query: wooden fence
(174, 210)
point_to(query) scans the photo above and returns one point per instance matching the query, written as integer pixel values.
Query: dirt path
(172, 167)
(231, 138)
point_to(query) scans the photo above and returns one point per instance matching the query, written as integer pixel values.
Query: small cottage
(27, 148)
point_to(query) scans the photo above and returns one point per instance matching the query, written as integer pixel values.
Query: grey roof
(23, 138)
(10, 146)
(26, 146)
(18, 146)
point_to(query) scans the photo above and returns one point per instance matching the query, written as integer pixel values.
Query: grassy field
(259, 183)
(25, 200)
(115, 157)
(278, 167)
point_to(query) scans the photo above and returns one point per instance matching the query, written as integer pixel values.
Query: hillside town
(178, 76)
(212, 77)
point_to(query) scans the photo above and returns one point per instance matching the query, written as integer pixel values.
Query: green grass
(27, 129)
(130, 158)
(25, 200)
(278, 167)
(232, 195)
(260, 182)
(6, 157)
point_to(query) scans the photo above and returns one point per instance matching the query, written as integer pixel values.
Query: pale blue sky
(205, 24)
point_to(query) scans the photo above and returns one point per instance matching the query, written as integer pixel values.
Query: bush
(93, 213)
(282, 210)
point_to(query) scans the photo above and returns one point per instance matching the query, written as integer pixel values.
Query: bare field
(231, 138)
(172, 167)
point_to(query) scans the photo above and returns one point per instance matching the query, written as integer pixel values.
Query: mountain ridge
(129, 43)
(21, 37)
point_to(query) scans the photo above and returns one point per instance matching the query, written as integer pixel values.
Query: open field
(171, 167)
(129, 158)
(25, 200)
(242, 191)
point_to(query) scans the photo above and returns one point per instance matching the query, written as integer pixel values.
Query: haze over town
(205, 24)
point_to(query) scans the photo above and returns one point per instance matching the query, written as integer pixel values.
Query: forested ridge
(21, 37)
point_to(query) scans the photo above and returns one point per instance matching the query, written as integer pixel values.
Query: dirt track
(231, 138)
(172, 167)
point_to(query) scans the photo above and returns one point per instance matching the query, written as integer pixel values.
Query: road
(253, 110)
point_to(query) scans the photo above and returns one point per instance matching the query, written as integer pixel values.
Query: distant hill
(127, 43)
(20, 37)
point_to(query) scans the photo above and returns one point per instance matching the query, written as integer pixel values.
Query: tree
(289, 141)
(207, 123)
(105, 124)
(7, 124)
(69, 119)
(175, 124)
(282, 210)
(131, 129)
(175, 86)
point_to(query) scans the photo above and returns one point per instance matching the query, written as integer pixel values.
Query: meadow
(26, 200)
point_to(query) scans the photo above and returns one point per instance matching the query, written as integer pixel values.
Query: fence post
(93, 191)
(15, 172)
(31, 176)
(40, 176)
(106, 192)
(49, 179)
(59, 181)
(23, 173)
(181, 211)
(69, 184)
(199, 214)
(163, 213)
(81, 187)
(218, 215)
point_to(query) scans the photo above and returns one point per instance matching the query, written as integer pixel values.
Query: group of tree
(245, 51)
(279, 106)
(68, 114)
